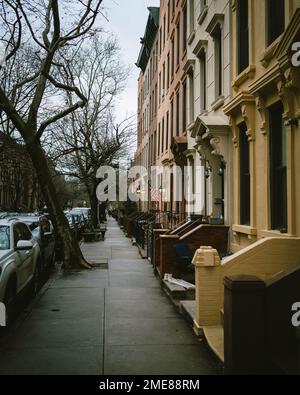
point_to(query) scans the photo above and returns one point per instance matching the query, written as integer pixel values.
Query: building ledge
(219, 102)
(202, 15)
(269, 52)
(191, 37)
(247, 230)
(274, 233)
(248, 73)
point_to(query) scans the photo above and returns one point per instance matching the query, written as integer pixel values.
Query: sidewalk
(105, 321)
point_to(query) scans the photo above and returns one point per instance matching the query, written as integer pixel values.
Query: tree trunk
(72, 253)
(94, 209)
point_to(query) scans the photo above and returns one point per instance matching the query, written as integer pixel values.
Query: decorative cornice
(191, 37)
(248, 73)
(200, 46)
(291, 33)
(234, 105)
(189, 66)
(264, 81)
(202, 15)
(217, 19)
(269, 52)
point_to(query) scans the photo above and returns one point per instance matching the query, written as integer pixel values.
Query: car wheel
(36, 281)
(10, 303)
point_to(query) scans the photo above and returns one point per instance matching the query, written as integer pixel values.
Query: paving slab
(160, 360)
(52, 361)
(149, 331)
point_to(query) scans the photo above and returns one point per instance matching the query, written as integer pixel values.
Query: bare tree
(90, 138)
(51, 27)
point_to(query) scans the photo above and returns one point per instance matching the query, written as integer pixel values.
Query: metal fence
(144, 223)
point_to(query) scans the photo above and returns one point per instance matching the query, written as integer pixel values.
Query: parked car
(77, 224)
(20, 265)
(42, 230)
(86, 211)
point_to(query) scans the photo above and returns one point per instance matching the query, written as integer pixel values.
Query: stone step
(177, 292)
(188, 309)
(214, 336)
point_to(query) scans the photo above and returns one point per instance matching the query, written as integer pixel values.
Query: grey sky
(127, 21)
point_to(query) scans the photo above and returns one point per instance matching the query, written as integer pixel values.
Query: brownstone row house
(18, 185)
(228, 106)
(162, 120)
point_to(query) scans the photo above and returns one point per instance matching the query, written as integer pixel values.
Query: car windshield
(4, 238)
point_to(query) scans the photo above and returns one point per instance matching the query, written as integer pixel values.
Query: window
(184, 106)
(167, 131)
(21, 232)
(173, 58)
(172, 118)
(164, 31)
(158, 143)
(155, 100)
(173, 7)
(162, 135)
(203, 81)
(243, 35)
(178, 43)
(156, 56)
(218, 62)
(192, 98)
(159, 82)
(177, 113)
(168, 71)
(160, 41)
(276, 19)
(244, 176)
(184, 31)
(169, 17)
(155, 145)
(164, 80)
(278, 171)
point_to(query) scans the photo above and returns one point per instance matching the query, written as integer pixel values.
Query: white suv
(19, 262)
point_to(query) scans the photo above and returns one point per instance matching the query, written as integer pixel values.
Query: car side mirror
(24, 245)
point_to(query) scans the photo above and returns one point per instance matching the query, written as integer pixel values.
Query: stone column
(156, 246)
(208, 288)
(167, 255)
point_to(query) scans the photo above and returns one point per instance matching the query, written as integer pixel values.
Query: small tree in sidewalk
(50, 26)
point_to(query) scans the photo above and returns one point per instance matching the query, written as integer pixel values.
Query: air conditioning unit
(162, 93)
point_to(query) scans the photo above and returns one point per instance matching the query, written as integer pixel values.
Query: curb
(24, 314)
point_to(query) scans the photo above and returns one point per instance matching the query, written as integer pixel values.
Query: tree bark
(72, 254)
(94, 209)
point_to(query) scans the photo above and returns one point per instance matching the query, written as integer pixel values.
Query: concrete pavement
(113, 320)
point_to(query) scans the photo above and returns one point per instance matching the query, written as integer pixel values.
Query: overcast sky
(127, 21)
